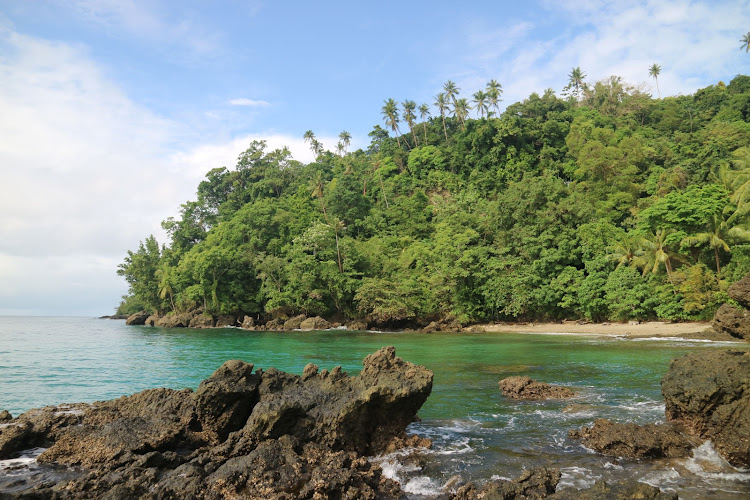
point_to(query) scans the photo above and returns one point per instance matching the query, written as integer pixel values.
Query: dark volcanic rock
(635, 441)
(731, 320)
(709, 393)
(621, 490)
(138, 318)
(526, 388)
(740, 291)
(532, 484)
(240, 435)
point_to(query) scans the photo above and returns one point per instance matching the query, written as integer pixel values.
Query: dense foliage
(604, 204)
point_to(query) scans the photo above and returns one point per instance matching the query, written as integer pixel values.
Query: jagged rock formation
(635, 441)
(138, 318)
(735, 320)
(242, 434)
(709, 394)
(526, 388)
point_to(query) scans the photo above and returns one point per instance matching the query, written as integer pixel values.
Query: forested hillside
(605, 204)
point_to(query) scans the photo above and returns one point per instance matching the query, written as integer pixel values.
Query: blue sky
(111, 111)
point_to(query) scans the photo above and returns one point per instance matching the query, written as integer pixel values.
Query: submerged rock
(532, 484)
(621, 490)
(242, 434)
(635, 441)
(709, 393)
(525, 388)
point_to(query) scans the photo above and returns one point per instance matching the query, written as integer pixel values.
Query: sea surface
(478, 434)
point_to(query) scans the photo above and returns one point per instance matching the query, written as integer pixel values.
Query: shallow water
(478, 434)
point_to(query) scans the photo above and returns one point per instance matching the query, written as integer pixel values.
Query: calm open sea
(478, 434)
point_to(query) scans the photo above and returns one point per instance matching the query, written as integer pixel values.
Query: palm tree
(409, 116)
(745, 41)
(165, 276)
(338, 225)
(654, 71)
(424, 113)
(720, 230)
(575, 80)
(494, 91)
(310, 137)
(628, 251)
(346, 138)
(480, 99)
(390, 116)
(317, 191)
(340, 148)
(461, 111)
(442, 105)
(451, 91)
(316, 147)
(657, 252)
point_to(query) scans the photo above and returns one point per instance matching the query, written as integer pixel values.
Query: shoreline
(687, 330)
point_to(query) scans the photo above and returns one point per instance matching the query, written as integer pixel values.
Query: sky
(112, 111)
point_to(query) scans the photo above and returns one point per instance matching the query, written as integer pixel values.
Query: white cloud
(696, 44)
(242, 101)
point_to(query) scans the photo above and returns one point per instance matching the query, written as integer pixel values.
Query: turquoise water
(478, 433)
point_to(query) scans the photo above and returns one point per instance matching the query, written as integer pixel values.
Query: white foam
(24, 460)
(708, 464)
(661, 478)
(422, 485)
(577, 477)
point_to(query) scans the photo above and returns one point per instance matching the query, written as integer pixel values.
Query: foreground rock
(740, 291)
(138, 318)
(242, 434)
(709, 394)
(537, 483)
(635, 441)
(526, 388)
(621, 490)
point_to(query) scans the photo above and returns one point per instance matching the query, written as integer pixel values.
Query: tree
(424, 114)
(409, 116)
(346, 138)
(442, 105)
(494, 91)
(340, 148)
(390, 116)
(657, 246)
(719, 231)
(628, 251)
(317, 191)
(655, 71)
(309, 136)
(461, 111)
(745, 41)
(451, 91)
(575, 81)
(480, 99)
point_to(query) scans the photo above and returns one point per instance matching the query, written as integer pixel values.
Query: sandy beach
(700, 330)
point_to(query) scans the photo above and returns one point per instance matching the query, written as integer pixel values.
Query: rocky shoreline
(253, 433)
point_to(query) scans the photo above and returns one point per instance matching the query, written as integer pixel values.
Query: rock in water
(532, 484)
(315, 323)
(242, 434)
(740, 291)
(138, 318)
(709, 393)
(526, 388)
(731, 320)
(621, 490)
(635, 441)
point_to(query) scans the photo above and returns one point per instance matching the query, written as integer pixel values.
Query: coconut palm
(494, 91)
(575, 80)
(628, 251)
(480, 103)
(390, 116)
(317, 185)
(441, 102)
(451, 91)
(316, 147)
(658, 252)
(424, 114)
(309, 137)
(745, 41)
(461, 111)
(655, 71)
(346, 138)
(409, 116)
(720, 230)
(340, 148)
